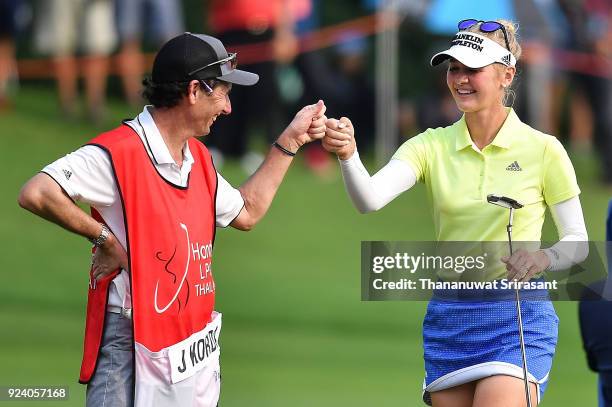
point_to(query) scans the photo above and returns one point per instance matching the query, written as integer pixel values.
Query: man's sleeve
(559, 179)
(414, 153)
(86, 175)
(229, 202)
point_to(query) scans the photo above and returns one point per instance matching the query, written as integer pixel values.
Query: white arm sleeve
(372, 193)
(573, 245)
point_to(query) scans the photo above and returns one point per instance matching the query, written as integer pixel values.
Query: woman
(489, 150)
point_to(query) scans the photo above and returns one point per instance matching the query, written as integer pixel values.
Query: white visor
(474, 51)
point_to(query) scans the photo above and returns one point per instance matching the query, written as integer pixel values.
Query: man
(595, 317)
(155, 199)
(155, 21)
(65, 28)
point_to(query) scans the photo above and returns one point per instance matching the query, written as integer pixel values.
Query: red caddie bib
(170, 232)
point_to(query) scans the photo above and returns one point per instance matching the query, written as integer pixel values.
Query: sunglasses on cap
(485, 27)
(226, 64)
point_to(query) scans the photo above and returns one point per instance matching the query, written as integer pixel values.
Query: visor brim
(240, 77)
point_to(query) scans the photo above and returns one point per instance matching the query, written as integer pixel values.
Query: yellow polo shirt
(521, 163)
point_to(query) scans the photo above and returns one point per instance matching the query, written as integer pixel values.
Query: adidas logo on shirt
(514, 167)
(67, 173)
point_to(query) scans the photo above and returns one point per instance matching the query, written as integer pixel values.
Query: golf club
(513, 204)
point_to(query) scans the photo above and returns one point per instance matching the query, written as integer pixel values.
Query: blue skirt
(466, 341)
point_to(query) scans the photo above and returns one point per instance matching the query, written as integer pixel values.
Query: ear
(508, 76)
(193, 90)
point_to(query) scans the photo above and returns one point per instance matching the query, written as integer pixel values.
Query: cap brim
(239, 77)
(464, 55)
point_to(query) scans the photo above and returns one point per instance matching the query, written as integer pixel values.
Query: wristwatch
(99, 241)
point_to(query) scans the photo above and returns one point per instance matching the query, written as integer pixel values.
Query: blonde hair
(498, 36)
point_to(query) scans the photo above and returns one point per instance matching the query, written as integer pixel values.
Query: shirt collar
(463, 138)
(155, 142)
(503, 139)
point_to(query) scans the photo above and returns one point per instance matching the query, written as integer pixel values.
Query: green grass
(295, 331)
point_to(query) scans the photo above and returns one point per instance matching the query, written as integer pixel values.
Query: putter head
(504, 201)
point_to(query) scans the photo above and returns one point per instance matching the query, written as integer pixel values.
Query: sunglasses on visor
(485, 27)
(226, 64)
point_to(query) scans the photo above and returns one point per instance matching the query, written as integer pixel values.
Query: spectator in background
(315, 80)
(342, 80)
(344, 83)
(354, 90)
(266, 25)
(9, 25)
(160, 20)
(61, 26)
(590, 27)
(437, 108)
(595, 316)
(543, 28)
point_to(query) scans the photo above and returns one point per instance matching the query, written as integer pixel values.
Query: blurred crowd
(564, 85)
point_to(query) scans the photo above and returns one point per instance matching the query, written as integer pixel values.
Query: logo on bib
(200, 253)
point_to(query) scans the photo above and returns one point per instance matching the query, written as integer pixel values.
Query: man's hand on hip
(108, 258)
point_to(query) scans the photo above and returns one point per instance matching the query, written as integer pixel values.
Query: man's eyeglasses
(485, 27)
(226, 64)
(209, 84)
(206, 86)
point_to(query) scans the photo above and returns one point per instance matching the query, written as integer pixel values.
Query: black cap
(193, 56)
